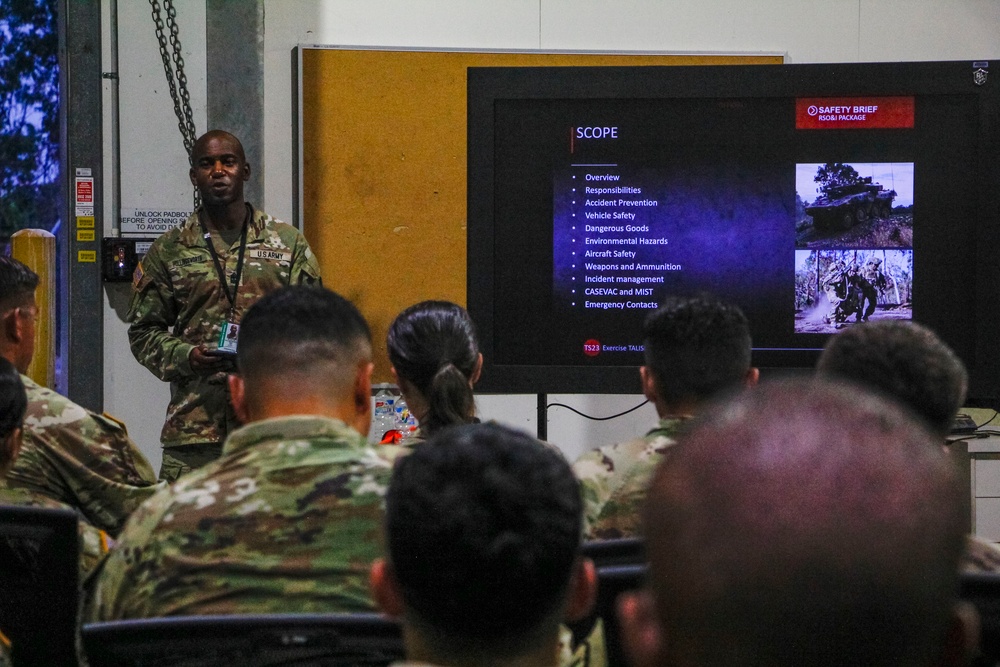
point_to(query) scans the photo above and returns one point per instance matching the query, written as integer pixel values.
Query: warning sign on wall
(84, 195)
(151, 221)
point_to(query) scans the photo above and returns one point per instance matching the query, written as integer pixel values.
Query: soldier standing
(191, 289)
(835, 287)
(874, 283)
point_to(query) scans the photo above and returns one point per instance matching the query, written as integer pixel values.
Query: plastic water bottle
(383, 413)
(405, 422)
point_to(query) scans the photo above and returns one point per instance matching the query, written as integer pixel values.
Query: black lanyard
(239, 261)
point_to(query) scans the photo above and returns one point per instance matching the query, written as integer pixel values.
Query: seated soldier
(287, 520)
(803, 524)
(69, 454)
(694, 348)
(13, 404)
(483, 534)
(910, 363)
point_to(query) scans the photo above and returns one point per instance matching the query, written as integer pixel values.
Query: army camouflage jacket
(288, 520)
(178, 303)
(94, 542)
(614, 478)
(80, 459)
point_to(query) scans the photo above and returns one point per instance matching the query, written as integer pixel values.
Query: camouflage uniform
(81, 459)
(613, 481)
(178, 304)
(288, 520)
(94, 542)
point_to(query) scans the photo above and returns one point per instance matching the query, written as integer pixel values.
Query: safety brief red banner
(853, 113)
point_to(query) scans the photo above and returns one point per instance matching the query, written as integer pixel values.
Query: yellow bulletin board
(382, 167)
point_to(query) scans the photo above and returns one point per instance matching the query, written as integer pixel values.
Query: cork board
(382, 167)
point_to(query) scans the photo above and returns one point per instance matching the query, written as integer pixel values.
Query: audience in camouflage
(179, 305)
(910, 363)
(483, 532)
(69, 454)
(803, 524)
(288, 519)
(435, 361)
(13, 406)
(694, 348)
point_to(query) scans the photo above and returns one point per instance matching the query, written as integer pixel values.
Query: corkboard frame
(380, 151)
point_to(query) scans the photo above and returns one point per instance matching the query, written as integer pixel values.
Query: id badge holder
(228, 335)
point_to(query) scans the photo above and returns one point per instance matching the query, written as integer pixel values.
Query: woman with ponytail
(435, 361)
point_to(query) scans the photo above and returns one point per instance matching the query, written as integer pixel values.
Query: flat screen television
(811, 196)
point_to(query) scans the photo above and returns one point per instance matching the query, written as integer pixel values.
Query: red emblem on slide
(854, 113)
(592, 347)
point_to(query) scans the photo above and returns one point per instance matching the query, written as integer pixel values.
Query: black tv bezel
(487, 85)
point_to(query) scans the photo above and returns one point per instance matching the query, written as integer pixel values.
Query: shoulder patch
(116, 421)
(137, 275)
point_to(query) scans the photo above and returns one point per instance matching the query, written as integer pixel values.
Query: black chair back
(622, 551)
(340, 640)
(983, 591)
(612, 581)
(39, 584)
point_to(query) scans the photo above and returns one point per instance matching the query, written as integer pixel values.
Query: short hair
(483, 527)
(216, 134)
(432, 345)
(805, 523)
(905, 360)
(294, 329)
(17, 283)
(696, 347)
(13, 405)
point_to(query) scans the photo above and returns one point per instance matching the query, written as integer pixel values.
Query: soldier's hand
(204, 362)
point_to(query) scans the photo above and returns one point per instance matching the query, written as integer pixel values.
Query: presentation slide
(799, 211)
(624, 238)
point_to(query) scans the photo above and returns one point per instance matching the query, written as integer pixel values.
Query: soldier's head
(303, 350)
(483, 529)
(436, 360)
(13, 404)
(18, 312)
(694, 347)
(905, 360)
(219, 168)
(802, 523)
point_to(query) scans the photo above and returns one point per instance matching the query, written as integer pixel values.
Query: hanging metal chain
(176, 78)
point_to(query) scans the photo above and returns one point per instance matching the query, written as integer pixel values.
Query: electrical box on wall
(120, 256)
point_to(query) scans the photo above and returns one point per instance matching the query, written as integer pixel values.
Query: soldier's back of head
(906, 361)
(287, 520)
(801, 524)
(696, 347)
(483, 531)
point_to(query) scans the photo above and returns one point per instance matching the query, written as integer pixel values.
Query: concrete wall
(154, 166)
